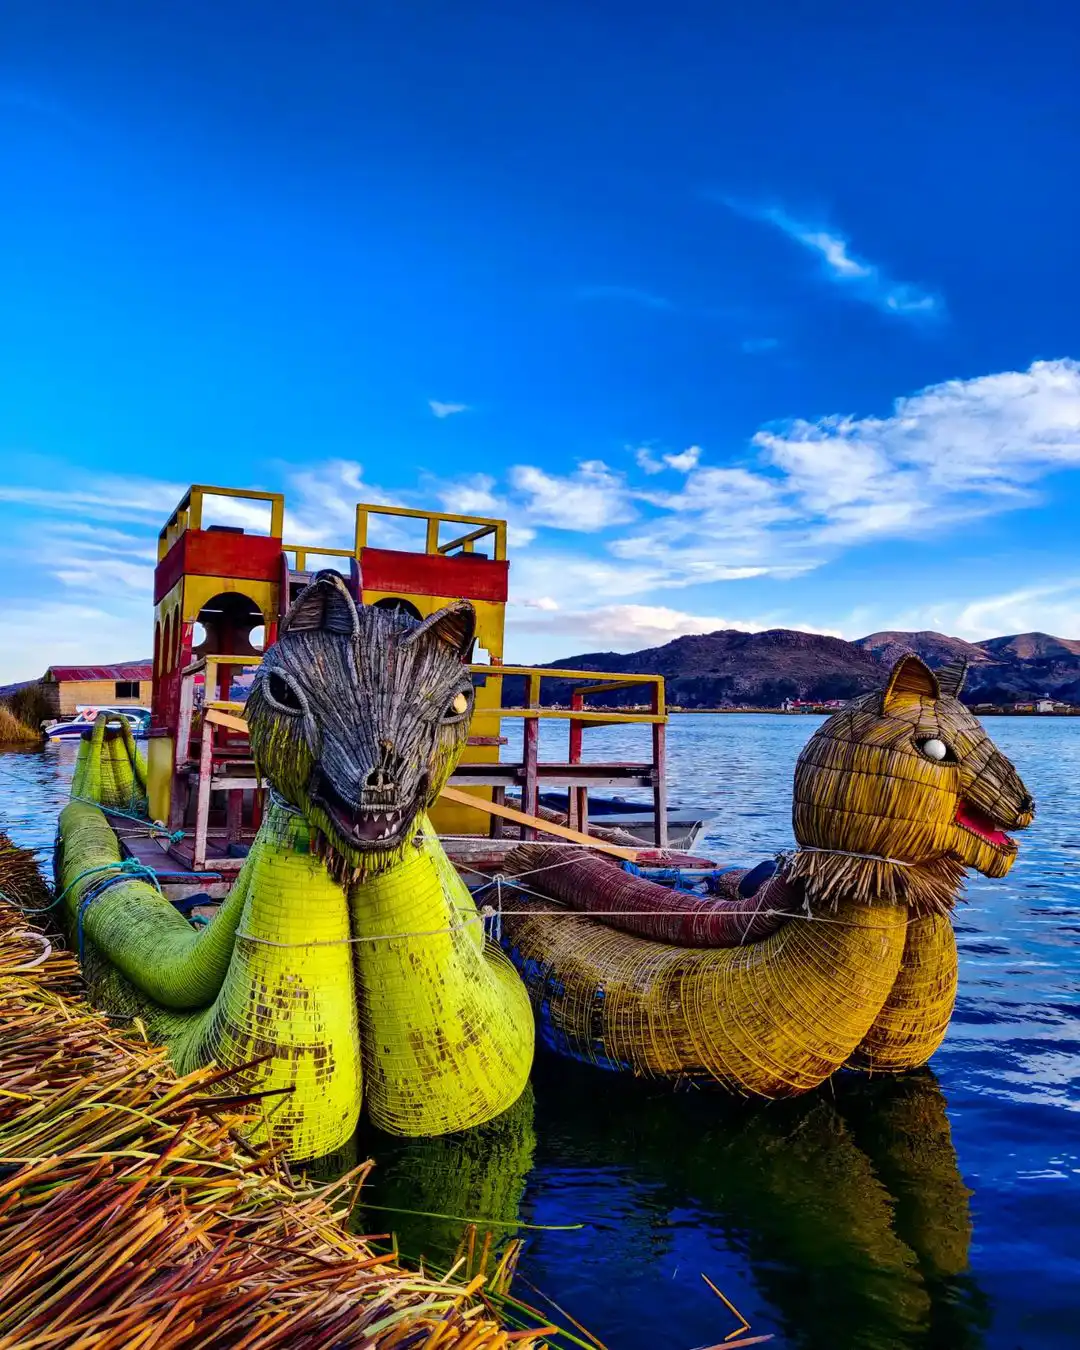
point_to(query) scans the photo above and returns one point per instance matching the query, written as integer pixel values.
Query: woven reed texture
(595, 885)
(446, 1027)
(863, 785)
(130, 1216)
(284, 993)
(772, 1018)
(357, 718)
(866, 974)
(109, 767)
(915, 1018)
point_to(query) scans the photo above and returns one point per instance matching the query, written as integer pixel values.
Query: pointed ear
(455, 625)
(951, 678)
(324, 605)
(910, 678)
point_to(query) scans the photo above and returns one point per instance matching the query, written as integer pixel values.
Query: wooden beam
(538, 824)
(224, 719)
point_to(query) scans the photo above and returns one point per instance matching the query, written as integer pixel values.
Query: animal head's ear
(910, 678)
(951, 678)
(455, 625)
(325, 606)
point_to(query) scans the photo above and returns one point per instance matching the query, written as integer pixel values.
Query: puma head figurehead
(357, 717)
(908, 782)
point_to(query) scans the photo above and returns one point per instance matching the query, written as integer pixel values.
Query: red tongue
(981, 824)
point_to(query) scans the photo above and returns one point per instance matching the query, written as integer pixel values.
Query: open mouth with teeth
(975, 821)
(363, 825)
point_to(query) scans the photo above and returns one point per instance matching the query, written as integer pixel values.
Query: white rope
(843, 853)
(487, 912)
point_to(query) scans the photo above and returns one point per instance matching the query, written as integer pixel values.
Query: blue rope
(128, 869)
(173, 836)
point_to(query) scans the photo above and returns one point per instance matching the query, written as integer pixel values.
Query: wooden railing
(485, 527)
(577, 775)
(528, 774)
(188, 514)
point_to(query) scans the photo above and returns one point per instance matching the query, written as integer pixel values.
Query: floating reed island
(132, 1213)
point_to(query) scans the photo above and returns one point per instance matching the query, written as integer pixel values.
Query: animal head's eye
(282, 694)
(936, 750)
(458, 707)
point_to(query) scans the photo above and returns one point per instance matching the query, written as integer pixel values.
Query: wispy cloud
(629, 627)
(612, 542)
(590, 499)
(863, 280)
(683, 462)
(446, 409)
(759, 346)
(628, 294)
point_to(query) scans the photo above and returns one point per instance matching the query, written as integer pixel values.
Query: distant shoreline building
(68, 688)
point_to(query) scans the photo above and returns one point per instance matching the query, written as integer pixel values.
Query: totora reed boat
(314, 879)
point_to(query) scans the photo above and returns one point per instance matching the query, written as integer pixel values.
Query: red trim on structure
(126, 671)
(208, 553)
(463, 576)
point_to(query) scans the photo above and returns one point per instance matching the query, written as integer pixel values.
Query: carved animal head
(358, 715)
(910, 774)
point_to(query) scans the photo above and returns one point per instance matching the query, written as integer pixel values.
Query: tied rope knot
(492, 915)
(126, 869)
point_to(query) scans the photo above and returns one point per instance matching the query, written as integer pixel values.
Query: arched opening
(225, 624)
(396, 605)
(167, 645)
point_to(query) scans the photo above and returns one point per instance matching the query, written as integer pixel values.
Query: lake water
(941, 1209)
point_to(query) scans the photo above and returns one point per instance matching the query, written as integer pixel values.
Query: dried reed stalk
(129, 1216)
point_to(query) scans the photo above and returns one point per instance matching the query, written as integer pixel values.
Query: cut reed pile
(131, 1214)
(14, 731)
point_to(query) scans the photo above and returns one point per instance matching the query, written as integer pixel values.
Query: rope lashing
(127, 870)
(152, 826)
(845, 853)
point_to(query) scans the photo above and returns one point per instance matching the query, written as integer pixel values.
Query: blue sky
(744, 316)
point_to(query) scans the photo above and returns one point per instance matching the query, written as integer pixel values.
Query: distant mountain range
(731, 669)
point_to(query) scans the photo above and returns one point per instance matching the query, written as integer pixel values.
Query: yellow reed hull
(773, 1018)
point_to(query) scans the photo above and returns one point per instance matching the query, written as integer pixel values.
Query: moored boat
(85, 717)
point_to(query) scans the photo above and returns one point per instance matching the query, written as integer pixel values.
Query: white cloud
(1045, 607)
(684, 462)
(864, 280)
(647, 461)
(446, 409)
(590, 499)
(626, 627)
(804, 493)
(52, 633)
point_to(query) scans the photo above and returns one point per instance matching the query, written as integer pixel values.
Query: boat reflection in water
(845, 1209)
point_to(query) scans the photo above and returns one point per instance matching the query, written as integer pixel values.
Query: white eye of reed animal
(458, 706)
(934, 749)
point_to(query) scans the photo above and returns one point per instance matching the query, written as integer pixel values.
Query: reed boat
(316, 880)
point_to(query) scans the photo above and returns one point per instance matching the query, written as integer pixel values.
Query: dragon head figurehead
(901, 791)
(357, 716)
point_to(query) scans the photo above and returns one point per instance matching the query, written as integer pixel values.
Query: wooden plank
(539, 825)
(557, 673)
(568, 714)
(659, 739)
(224, 719)
(202, 799)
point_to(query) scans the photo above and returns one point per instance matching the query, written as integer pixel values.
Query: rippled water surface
(937, 1210)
